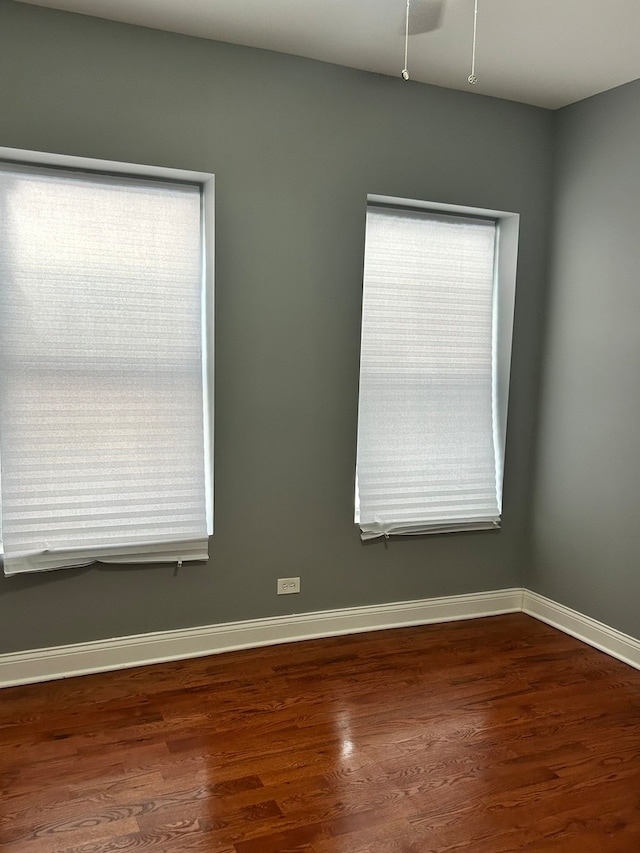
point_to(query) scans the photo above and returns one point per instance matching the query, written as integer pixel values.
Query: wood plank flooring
(489, 736)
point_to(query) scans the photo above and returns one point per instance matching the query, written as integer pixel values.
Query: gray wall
(586, 547)
(296, 145)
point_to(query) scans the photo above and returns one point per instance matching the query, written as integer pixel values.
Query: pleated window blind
(103, 424)
(428, 458)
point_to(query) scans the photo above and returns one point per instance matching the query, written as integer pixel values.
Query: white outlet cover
(287, 586)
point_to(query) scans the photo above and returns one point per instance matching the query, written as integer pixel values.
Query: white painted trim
(584, 628)
(140, 650)
(122, 652)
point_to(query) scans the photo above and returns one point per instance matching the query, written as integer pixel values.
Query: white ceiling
(544, 52)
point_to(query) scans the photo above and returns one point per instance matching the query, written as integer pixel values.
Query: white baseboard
(142, 649)
(122, 652)
(584, 628)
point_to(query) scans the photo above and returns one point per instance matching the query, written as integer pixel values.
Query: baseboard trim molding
(140, 650)
(120, 653)
(596, 634)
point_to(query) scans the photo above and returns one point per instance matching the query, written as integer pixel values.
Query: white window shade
(429, 448)
(103, 436)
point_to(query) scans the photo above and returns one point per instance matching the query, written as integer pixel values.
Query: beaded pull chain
(472, 77)
(405, 70)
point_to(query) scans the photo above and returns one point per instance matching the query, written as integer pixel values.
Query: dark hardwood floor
(492, 735)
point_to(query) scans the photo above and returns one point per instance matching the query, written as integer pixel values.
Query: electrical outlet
(286, 586)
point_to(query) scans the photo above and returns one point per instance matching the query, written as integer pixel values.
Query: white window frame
(206, 182)
(505, 271)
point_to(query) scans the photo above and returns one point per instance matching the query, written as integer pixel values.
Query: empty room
(319, 426)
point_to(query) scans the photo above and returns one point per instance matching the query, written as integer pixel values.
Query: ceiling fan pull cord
(472, 77)
(405, 70)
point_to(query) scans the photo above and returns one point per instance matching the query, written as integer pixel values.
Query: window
(437, 313)
(105, 338)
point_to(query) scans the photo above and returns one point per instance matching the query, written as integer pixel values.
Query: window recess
(106, 317)
(437, 315)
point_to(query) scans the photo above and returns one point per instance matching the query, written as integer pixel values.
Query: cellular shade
(427, 458)
(102, 433)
